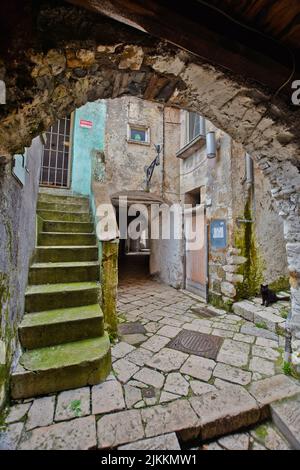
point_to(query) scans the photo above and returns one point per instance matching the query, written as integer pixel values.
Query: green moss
(284, 312)
(281, 283)
(261, 432)
(7, 333)
(252, 269)
(65, 355)
(109, 278)
(289, 369)
(217, 301)
(262, 325)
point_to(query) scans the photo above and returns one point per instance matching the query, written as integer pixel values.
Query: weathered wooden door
(56, 157)
(196, 251)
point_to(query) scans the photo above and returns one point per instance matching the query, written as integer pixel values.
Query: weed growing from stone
(76, 407)
(261, 325)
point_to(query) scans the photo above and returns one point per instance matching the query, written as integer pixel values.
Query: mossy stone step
(62, 199)
(74, 227)
(64, 295)
(66, 207)
(55, 254)
(71, 365)
(66, 238)
(54, 273)
(52, 327)
(65, 216)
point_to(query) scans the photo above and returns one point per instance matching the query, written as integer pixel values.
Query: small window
(195, 126)
(138, 134)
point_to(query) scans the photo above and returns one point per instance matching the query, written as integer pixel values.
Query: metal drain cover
(199, 344)
(131, 328)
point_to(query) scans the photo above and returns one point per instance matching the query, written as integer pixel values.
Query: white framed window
(138, 134)
(195, 126)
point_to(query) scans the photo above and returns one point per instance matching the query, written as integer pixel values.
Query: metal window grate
(56, 155)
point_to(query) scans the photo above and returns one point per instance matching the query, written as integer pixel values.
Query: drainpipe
(249, 170)
(163, 156)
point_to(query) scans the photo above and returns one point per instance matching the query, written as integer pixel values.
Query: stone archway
(76, 57)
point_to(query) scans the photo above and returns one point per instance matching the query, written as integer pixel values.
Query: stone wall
(238, 269)
(266, 245)
(125, 161)
(17, 242)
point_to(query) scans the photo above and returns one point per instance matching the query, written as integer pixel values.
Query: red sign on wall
(86, 124)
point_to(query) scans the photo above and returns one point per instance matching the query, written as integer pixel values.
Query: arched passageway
(75, 57)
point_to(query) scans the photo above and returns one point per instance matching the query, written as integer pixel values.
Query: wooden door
(196, 251)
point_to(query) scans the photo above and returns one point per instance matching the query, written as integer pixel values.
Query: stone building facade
(233, 191)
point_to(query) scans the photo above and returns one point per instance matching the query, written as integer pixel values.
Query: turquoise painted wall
(86, 144)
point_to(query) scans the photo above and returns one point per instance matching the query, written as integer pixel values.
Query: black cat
(268, 296)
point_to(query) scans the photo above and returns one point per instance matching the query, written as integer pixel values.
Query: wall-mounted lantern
(211, 145)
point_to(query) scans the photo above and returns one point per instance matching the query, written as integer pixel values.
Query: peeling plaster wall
(125, 161)
(267, 224)
(88, 144)
(17, 242)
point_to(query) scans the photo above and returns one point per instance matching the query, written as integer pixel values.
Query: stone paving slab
(261, 332)
(17, 412)
(175, 416)
(270, 438)
(107, 397)
(225, 411)
(232, 374)
(274, 388)
(41, 413)
(176, 383)
(199, 388)
(133, 395)
(77, 434)
(167, 360)
(286, 416)
(155, 343)
(139, 356)
(10, 436)
(198, 367)
(121, 349)
(262, 366)
(72, 404)
(167, 396)
(234, 353)
(164, 442)
(238, 441)
(150, 377)
(119, 428)
(124, 370)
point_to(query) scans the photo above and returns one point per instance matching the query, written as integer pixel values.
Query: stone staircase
(62, 331)
(272, 318)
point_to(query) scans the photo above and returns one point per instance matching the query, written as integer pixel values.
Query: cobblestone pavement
(154, 390)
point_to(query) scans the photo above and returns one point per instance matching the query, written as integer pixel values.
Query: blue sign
(218, 234)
